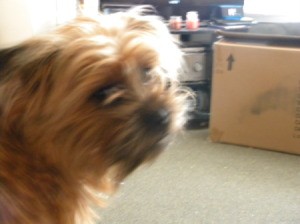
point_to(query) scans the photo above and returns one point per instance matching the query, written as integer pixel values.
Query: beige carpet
(199, 182)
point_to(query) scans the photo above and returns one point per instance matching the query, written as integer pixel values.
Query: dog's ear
(25, 73)
(6, 55)
(28, 62)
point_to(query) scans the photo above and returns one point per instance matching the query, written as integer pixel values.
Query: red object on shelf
(192, 20)
(192, 25)
(175, 22)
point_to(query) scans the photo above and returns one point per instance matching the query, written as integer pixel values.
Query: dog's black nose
(161, 116)
(157, 119)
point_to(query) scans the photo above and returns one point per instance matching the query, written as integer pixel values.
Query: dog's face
(95, 96)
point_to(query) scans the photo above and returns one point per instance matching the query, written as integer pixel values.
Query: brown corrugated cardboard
(256, 95)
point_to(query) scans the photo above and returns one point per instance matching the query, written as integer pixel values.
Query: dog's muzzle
(156, 120)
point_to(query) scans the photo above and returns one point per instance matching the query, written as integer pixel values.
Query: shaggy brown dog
(80, 109)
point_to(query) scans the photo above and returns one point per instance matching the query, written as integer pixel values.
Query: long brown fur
(80, 109)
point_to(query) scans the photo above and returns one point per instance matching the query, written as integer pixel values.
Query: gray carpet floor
(196, 181)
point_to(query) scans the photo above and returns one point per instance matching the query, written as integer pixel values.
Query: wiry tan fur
(80, 109)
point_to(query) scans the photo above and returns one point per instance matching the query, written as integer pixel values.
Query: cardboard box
(256, 92)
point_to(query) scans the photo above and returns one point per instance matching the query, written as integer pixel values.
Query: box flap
(266, 39)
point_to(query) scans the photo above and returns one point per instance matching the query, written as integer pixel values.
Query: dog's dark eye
(146, 75)
(108, 94)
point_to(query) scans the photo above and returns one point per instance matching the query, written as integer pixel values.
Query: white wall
(279, 10)
(20, 19)
(15, 22)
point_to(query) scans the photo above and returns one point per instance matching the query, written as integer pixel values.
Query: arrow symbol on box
(230, 61)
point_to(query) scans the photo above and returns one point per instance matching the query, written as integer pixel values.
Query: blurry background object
(192, 20)
(89, 7)
(175, 22)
